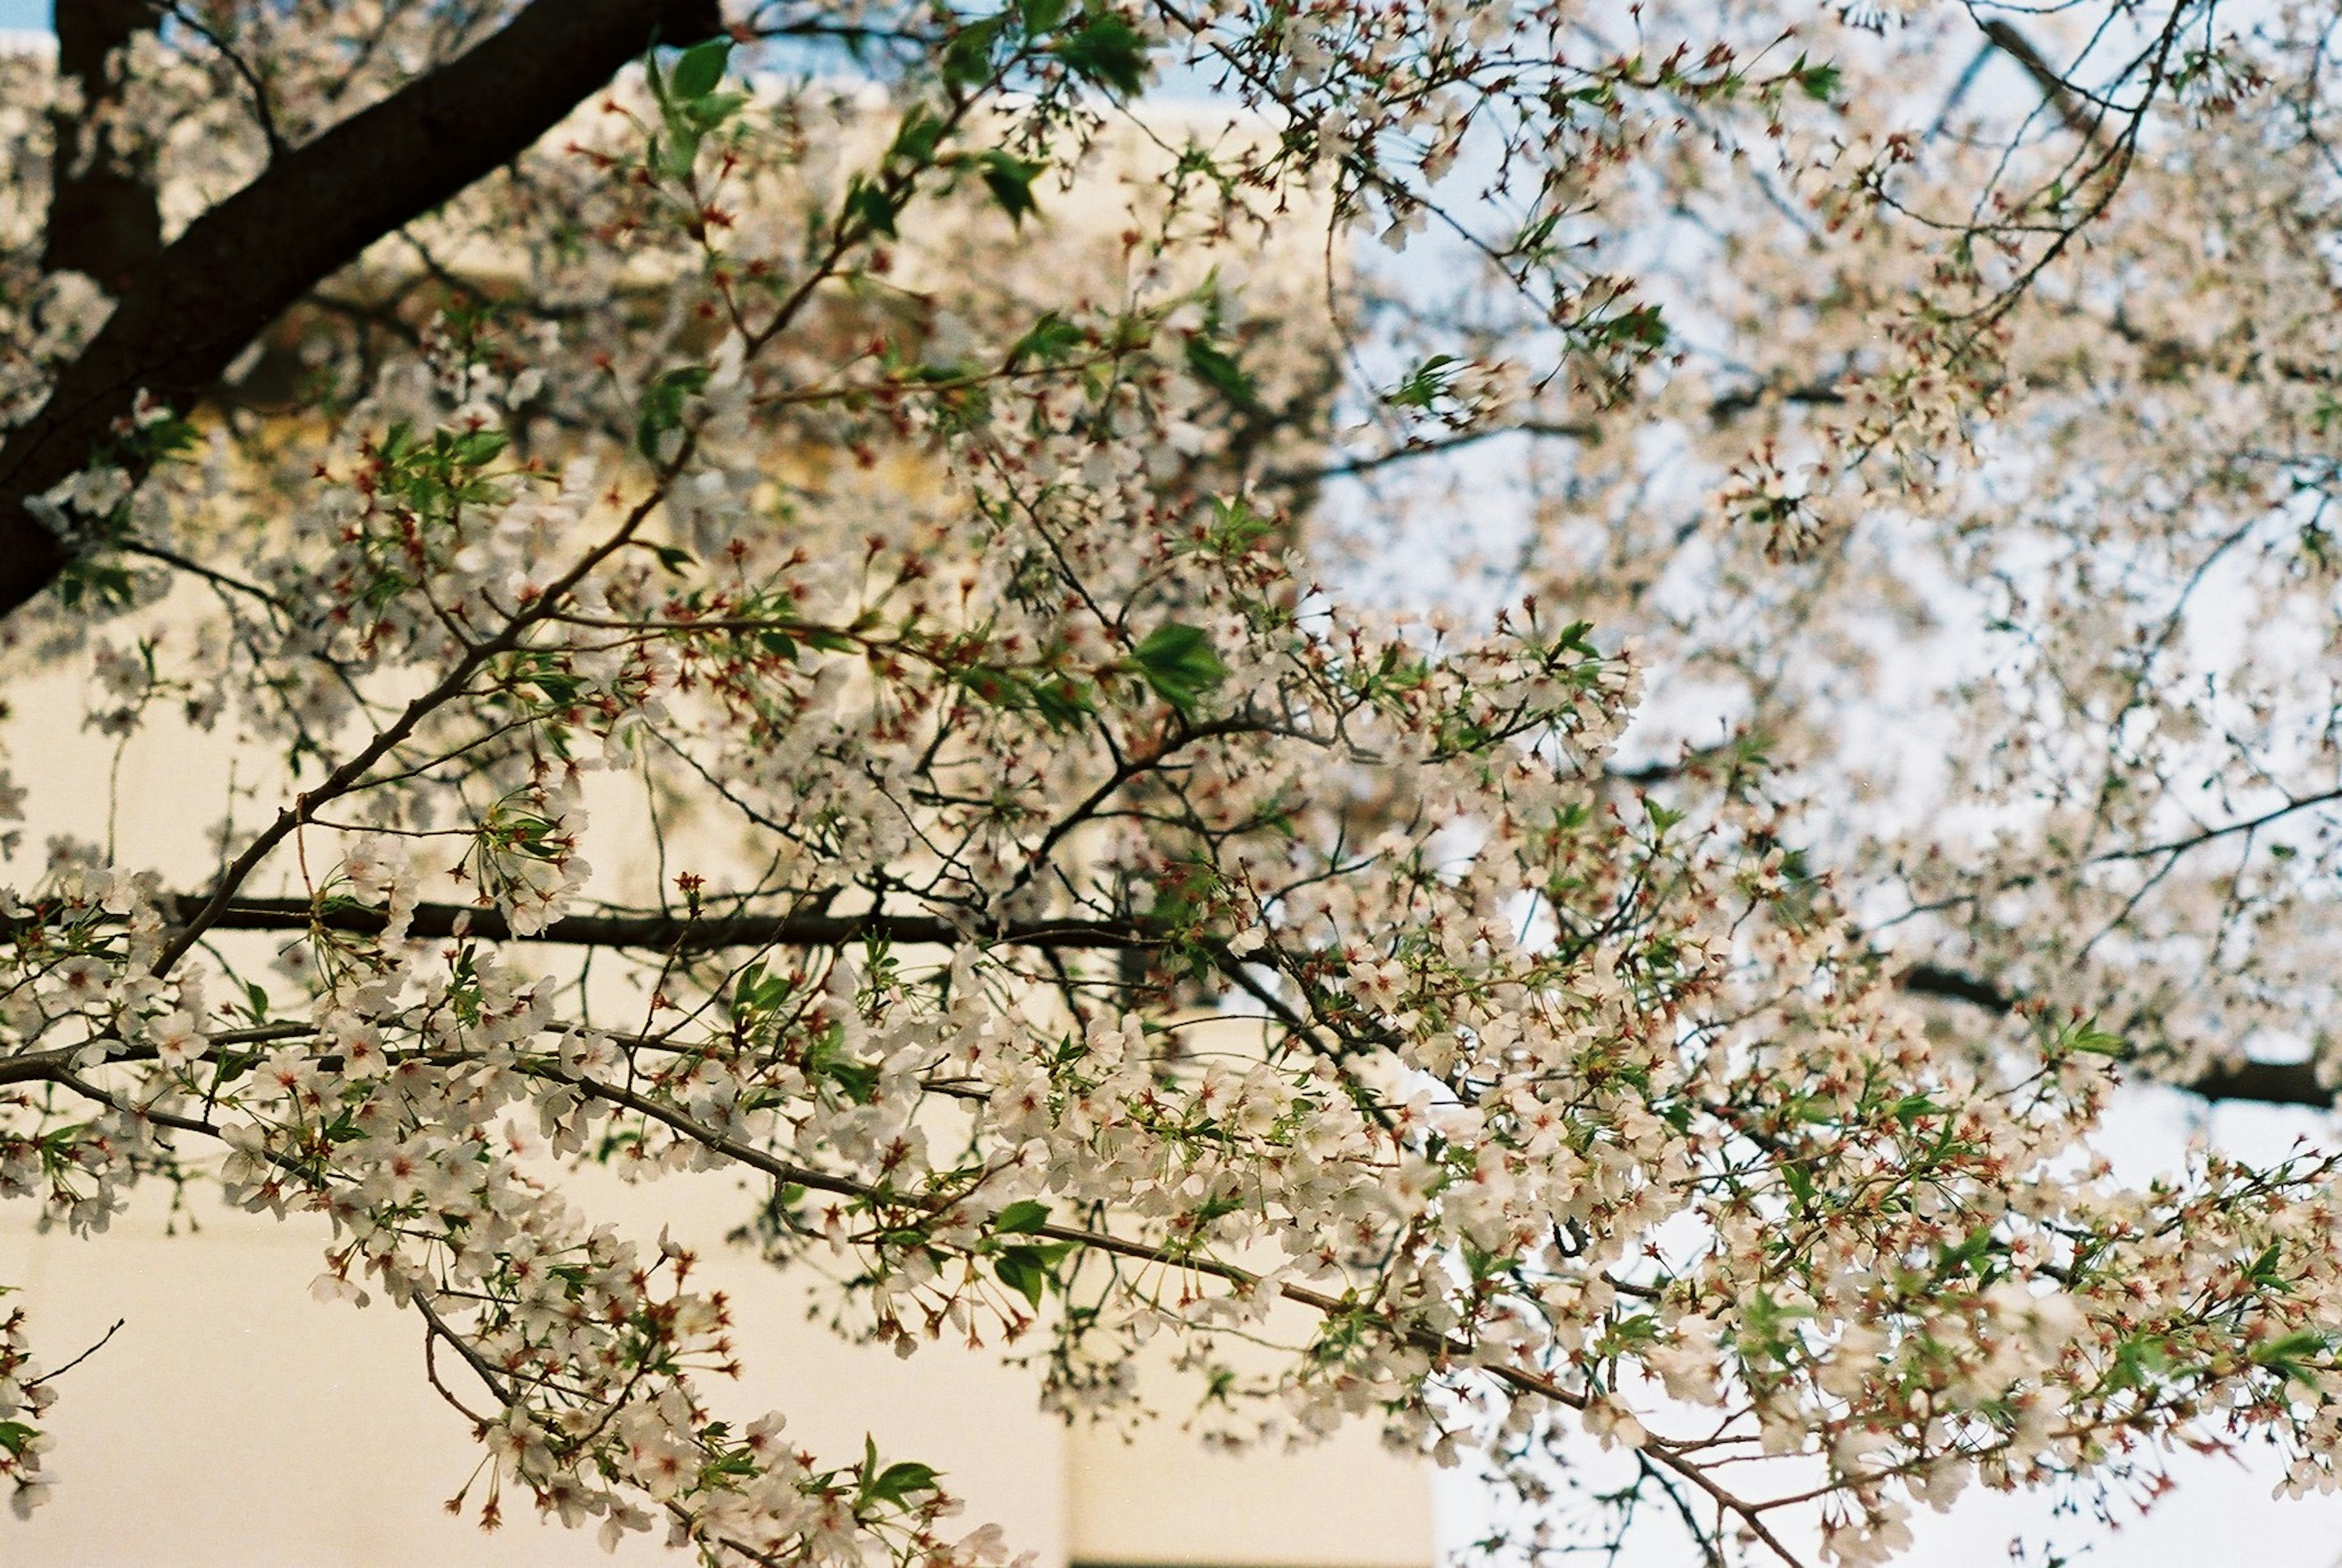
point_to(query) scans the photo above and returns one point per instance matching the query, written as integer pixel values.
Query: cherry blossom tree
(1696, 709)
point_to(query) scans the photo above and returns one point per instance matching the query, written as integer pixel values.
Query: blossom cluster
(740, 685)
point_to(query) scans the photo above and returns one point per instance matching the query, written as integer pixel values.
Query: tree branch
(671, 934)
(104, 219)
(2077, 116)
(2269, 1083)
(1725, 407)
(194, 305)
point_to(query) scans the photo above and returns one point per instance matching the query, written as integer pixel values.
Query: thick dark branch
(195, 306)
(1927, 980)
(1429, 446)
(104, 219)
(2270, 1082)
(1730, 405)
(2273, 1082)
(673, 933)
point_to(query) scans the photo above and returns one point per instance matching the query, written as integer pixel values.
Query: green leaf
(663, 402)
(968, 58)
(708, 113)
(15, 1436)
(1214, 367)
(870, 204)
(897, 1481)
(2290, 1353)
(1178, 662)
(479, 448)
(1010, 180)
(1020, 1270)
(1950, 1260)
(744, 988)
(89, 580)
(2086, 1036)
(1105, 52)
(917, 138)
(1041, 15)
(1644, 325)
(699, 69)
(1053, 337)
(858, 1080)
(1425, 383)
(2141, 1356)
(1819, 83)
(682, 147)
(1913, 1107)
(1234, 528)
(1062, 701)
(1022, 1216)
(164, 438)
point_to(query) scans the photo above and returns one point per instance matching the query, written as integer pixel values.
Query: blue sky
(24, 14)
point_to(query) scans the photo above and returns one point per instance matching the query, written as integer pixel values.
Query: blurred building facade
(231, 1422)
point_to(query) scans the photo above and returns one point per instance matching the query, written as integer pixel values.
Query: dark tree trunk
(103, 219)
(186, 313)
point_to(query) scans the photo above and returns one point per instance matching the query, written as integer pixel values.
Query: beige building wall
(235, 1423)
(1165, 1501)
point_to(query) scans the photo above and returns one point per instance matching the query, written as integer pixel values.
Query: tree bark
(677, 933)
(194, 305)
(2268, 1083)
(104, 219)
